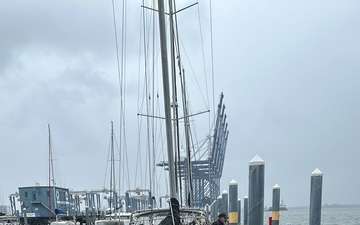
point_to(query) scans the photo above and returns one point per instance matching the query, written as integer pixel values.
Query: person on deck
(221, 219)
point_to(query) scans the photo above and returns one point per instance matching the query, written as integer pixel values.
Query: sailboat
(176, 213)
(52, 188)
(113, 217)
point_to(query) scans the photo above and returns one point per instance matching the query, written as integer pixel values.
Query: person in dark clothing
(221, 219)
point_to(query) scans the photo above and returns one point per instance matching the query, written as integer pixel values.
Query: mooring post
(239, 212)
(219, 205)
(214, 210)
(256, 191)
(233, 205)
(87, 215)
(208, 213)
(246, 210)
(225, 199)
(25, 216)
(315, 197)
(275, 205)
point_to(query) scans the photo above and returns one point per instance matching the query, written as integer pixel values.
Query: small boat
(115, 219)
(60, 221)
(189, 216)
(8, 220)
(282, 207)
(63, 222)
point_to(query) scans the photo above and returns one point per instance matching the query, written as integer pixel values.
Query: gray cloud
(289, 72)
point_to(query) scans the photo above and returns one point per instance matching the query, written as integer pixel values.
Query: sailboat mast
(177, 161)
(51, 172)
(49, 166)
(112, 171)
(187, 139)
(165, 75)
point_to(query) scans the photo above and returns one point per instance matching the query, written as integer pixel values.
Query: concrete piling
(25, 217)
(214, 210)
(239, 211)
(219, 205)
(275, 205)
(315, 197)
(87, 215)
(233, 204)
(256, 191)
(225, 199)
(246, 210)
(207, 210)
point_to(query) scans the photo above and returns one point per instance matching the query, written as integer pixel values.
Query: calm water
(329, 216)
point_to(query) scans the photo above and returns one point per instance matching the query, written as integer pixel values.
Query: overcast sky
(289, 71)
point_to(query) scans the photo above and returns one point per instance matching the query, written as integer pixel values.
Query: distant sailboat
(112, 217)
(52, 188)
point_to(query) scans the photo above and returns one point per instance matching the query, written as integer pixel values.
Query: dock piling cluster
(254, 203)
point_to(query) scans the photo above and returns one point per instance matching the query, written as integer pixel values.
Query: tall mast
(49, 166)
(189, 196)
(187, 139)
(165, 75)
(112, 171)
(177, 161)
(51, 173)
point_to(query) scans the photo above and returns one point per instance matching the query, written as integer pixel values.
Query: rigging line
(193, 146)
(124, 39)
(160, 140)
(163, 170)
(193, 73)
(112, 163)
(122, 138)
(107, 161)
(212, 62)
(148, 99)
(117, 52)
(173, 36)
(204, 62)
(120, 78)
(127, 166)
(187, 137)
(55, 164)
(122, 164)
(205, 71)
(146, 89)
(142, 31)
(148, 109)
(49, 143)
(152, 172)
(181, 71)
(139, 120)
(155, 96)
